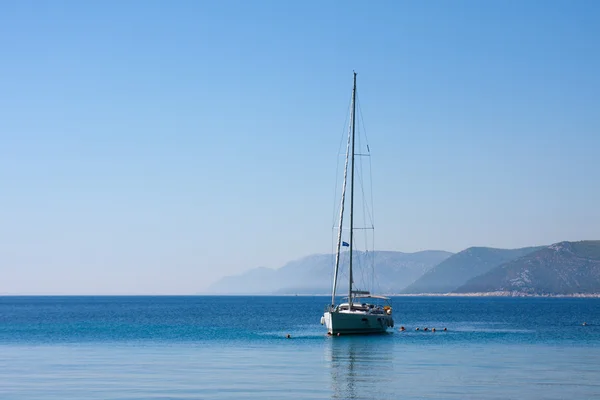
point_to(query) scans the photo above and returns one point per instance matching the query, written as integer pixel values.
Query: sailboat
(362, 311)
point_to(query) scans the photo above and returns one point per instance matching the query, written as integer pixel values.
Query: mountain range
(565, 268)
(313, 274)
(560, 269)
(453, 272)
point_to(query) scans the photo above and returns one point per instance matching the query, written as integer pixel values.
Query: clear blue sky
(154, 146)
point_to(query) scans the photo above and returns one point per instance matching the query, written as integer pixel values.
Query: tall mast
(352, 194)
(341, 222)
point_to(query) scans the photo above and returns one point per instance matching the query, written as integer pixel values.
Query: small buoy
(433, 330)
(289, 336)
(338, 334)
(425, 329)
(417, 329)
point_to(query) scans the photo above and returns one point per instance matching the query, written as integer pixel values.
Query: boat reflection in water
(361, 368)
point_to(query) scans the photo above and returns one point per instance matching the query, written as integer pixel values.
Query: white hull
(356, 322)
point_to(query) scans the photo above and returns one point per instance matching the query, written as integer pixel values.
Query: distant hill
(313, 274)
(456, 270)
(563, 268)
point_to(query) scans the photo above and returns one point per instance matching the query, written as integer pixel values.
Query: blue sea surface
(235, 347)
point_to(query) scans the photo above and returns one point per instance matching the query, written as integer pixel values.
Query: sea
(236, 347)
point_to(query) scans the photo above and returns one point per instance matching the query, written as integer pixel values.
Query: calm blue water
(235, 348)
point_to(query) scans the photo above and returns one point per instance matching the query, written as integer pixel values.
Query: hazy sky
(154, 146)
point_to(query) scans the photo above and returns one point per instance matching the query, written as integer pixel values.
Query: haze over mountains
(565, 268)
(313, 274)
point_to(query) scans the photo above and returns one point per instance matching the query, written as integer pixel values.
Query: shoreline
(472, 294)
(498, 294)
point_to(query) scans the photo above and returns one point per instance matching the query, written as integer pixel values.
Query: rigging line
(372, 215)
(369, 209)
(362, 120)
(337, 171)
(372, 210)
(362, 271)
(343, 273)
(361, 260)
(360, 174)
(366, 209)
(364, 257)
(358, 267)
(372, 266)
(362, 189)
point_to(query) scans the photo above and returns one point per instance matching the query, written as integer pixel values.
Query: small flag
(345, 244)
